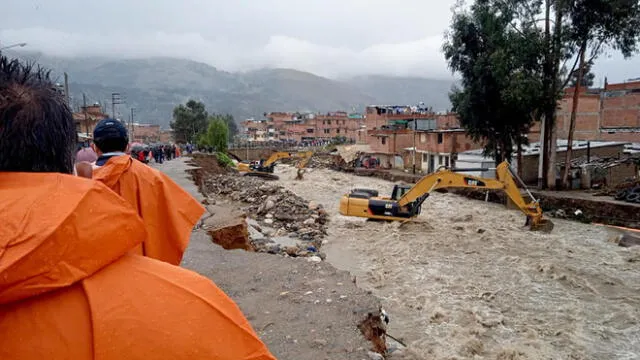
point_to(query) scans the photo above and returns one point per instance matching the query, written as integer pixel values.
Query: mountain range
(154, 86)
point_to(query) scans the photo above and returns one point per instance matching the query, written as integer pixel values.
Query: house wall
(613, 114)
(530, 162)
(389, 141)
(618, 174)
(166, 136)
(146, 132)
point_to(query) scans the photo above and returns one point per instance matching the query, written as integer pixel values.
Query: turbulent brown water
(470, 282)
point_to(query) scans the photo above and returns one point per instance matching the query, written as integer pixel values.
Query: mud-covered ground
(301, 309)
(470, 282)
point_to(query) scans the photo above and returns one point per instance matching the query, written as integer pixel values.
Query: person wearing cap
(69, 288)
(110, 139)
(167, 210)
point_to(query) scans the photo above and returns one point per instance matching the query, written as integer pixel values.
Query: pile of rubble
(278, 221)
(322, 161)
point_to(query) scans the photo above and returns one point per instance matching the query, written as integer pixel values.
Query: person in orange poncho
(168, 211)
(69, 288)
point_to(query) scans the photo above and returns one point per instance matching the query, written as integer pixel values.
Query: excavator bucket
(543, 225)
(264, 175)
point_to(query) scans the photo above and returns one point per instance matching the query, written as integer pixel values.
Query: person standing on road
(167, 210)
(69, 289)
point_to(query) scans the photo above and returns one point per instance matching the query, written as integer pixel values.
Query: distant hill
(154, 86)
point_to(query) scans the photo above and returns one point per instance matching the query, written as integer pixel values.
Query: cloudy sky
(328, 37)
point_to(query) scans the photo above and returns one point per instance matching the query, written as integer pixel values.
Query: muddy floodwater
(470, 282)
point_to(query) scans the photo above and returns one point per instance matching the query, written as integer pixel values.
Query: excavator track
(266, 176)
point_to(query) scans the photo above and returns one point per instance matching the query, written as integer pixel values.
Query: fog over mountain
(249, 57)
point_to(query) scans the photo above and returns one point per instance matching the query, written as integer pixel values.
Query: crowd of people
(90, 247)
(143, 153)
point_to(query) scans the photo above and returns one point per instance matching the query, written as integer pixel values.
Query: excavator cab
(399, 190)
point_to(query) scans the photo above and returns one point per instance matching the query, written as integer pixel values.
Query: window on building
(446, 161)
(328, 122)
(326, 131)
(439, 138)
(337, 131)
(324, 122)
(309, 131)
(384, 140)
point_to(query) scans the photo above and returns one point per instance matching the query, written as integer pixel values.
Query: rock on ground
(285, 214)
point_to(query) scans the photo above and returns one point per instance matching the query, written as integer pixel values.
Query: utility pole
(132, 113)
(115, 100)
(66, 89)
(84, 110)
(415, 128)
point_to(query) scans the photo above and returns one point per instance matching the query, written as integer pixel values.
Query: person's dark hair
(37, 131)
(107, 145)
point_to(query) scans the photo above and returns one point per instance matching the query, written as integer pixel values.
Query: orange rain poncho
(70, 290)
(168, 211)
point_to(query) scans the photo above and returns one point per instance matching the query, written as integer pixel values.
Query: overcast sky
(327, 37)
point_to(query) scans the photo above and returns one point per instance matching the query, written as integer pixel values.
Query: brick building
(145, 133)
(258, 131)
(166, 136)
(587, 150)
(303, 127)
(87, 119)
(392, 132)
(608, 114)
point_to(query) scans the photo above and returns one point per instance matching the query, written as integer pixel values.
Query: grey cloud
(327, 37)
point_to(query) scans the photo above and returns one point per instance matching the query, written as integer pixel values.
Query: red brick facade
(294, 127)
(146, 133)
(389, 137)
(88, 118)
(609, 114)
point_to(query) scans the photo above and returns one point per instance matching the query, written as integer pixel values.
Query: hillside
(154, 86)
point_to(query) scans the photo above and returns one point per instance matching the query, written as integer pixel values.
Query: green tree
(230, 121)
(189, 121)
(559, 27)
(614, 24)
(217, 135)
(231, 124)
(501, 86)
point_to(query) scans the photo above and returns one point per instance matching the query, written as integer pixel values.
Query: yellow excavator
(406, 201)
(302, 164)
(264, 168)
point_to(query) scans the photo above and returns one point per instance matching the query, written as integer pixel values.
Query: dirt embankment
(301, 307)
(596, 210)
(207, 165)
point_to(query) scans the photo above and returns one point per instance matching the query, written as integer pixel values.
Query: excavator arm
(305, 157)
(263, 169)
(414, 197)
(277, 156)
